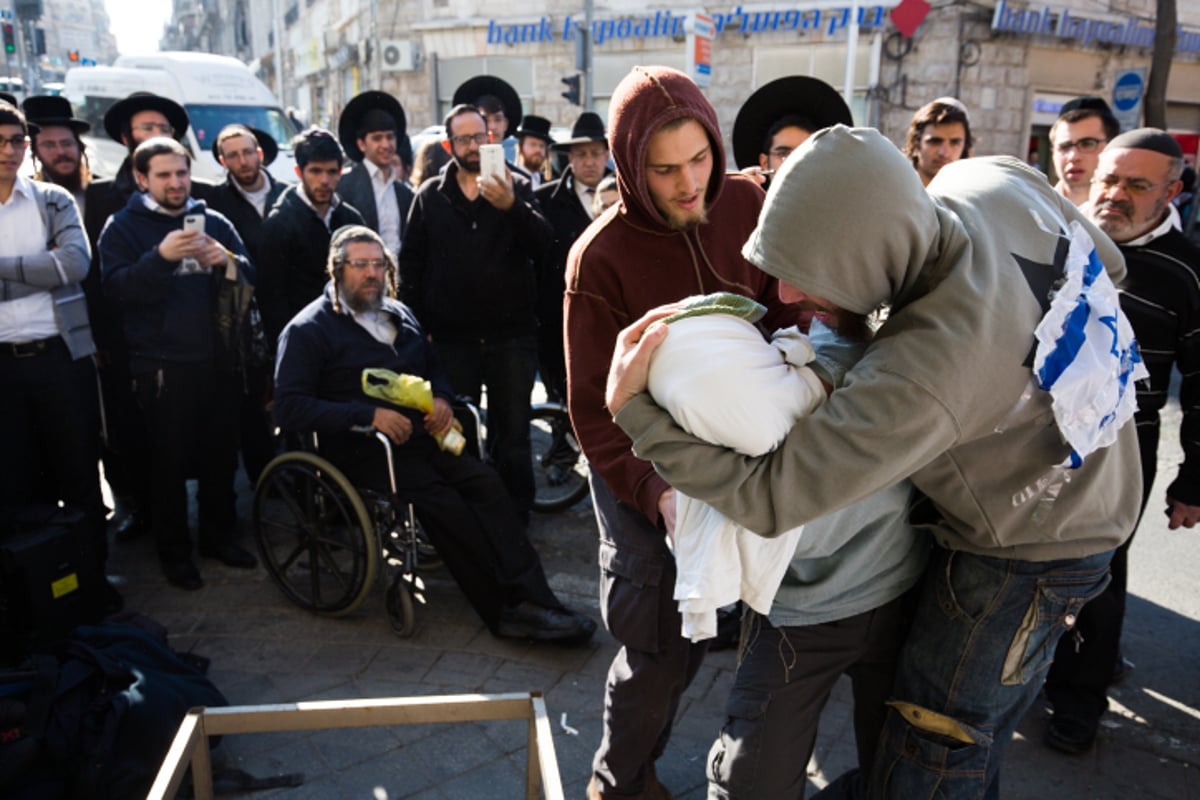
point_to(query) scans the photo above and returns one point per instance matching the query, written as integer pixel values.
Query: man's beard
(71, 181)
(468, 166)
(361, 301)
(247, 184)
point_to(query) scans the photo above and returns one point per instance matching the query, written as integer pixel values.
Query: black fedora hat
(120, 112)
(11, 99)
(538, 127)
(358, 108)
(588, 128)
(483, 85)
(47, 110)
(266, 143)
(795, 94)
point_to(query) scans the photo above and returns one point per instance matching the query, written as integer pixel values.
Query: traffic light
(10, 42)
(73, 56)
(572, 92)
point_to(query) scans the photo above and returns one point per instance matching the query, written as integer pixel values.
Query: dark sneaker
(183, 574)
(231, 555)
(1072, 733)
(529, 621)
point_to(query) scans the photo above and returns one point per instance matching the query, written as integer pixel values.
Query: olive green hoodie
(944, 393)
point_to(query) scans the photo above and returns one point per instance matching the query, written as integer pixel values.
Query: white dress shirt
(22, 233)
(386, 206)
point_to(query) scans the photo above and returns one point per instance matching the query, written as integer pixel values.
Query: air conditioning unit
(399, 55)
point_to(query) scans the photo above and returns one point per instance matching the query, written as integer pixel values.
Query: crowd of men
(114, 348)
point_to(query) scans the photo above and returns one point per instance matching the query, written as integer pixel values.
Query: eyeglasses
(1088, 144)
(1130, 185)
(16, 142)
(466, 140)
(363, 263)
(155, 127)
(781, 152)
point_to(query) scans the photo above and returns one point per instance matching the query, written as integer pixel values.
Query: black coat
(227, 199)
(356, 189)
(295, 251)
(467, 269)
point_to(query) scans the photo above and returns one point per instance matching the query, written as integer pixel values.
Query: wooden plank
(189, 738)
(542, 740)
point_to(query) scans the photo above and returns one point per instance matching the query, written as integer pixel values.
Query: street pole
(851, 55)
(280, 85)
(376, 54)
(588, 77)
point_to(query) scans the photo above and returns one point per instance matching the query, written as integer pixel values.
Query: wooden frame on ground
(190, 746)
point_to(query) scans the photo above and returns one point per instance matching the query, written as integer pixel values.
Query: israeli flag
(1086, 356)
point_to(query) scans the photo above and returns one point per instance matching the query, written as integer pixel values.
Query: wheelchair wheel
(559, 467)
(314, 534)
(400, 609)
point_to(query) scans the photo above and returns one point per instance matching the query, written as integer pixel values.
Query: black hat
(1089, 102)
(538, 127)
(360, 109)
(795, 94)
(46, 110)
(588, 128)
(266, 143)
(483, 85)
(120, 112)
(11, 99)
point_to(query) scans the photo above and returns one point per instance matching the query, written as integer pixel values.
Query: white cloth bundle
(722, 382)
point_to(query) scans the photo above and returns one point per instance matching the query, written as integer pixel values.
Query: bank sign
(1062, 23)
(671, 25)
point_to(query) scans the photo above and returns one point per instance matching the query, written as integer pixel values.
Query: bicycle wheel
(314, 534)
(559, 467)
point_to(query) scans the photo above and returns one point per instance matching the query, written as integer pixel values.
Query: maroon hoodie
(630, 261)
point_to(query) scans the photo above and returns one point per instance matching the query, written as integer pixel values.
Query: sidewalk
(265, 650)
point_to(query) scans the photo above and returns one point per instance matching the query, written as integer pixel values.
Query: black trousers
(463, 506)
(191, 413)
(125, 451)
(784, 678)
(50, 426)
(1078, 680)
(655, 664)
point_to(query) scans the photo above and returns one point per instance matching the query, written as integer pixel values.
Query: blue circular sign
(1127, 92)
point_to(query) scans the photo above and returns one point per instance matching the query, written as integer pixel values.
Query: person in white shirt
(49, 409)
(533, 148)
(372, 129)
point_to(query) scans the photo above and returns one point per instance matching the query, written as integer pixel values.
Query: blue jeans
(508, 368)
(981, 642)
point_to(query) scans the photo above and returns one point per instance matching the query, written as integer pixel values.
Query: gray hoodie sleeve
(829, 460)
(67, 256)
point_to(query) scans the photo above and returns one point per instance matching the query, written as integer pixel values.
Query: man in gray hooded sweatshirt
(944, 395)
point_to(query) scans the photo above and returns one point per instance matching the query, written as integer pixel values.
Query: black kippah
(1089, 102)
(1149, 139)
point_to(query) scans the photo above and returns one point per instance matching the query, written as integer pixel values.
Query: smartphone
(193, 222)
(491, 160)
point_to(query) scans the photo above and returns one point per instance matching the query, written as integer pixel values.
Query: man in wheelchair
(358, 324)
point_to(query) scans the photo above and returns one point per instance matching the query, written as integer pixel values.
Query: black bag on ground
(118, 697)
(51, 578)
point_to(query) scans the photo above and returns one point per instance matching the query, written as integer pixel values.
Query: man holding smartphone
(162, 258)
(467, 270)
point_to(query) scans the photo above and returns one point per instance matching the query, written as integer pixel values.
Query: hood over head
(645, 100)
(846, 219)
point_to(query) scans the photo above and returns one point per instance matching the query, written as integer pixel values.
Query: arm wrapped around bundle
(410, 391)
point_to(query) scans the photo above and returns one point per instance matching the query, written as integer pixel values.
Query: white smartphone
(491, 161)
(193, 222)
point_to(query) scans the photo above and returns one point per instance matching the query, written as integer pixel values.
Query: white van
(214, 90)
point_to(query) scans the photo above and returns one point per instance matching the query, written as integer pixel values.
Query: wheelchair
(325, 542)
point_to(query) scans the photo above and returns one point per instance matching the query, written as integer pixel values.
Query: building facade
(1012, 62)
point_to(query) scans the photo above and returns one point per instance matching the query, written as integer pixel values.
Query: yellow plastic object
(410, 391)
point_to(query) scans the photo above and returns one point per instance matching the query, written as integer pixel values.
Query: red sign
(909, 15)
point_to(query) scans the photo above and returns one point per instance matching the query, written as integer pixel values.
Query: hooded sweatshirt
(944, 393)
(630, 261)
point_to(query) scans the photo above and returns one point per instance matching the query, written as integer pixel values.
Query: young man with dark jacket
(291, 272)
(677, 231)
(164, 279)
(468, 272)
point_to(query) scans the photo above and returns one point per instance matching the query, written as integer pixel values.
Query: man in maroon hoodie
(678, 230)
